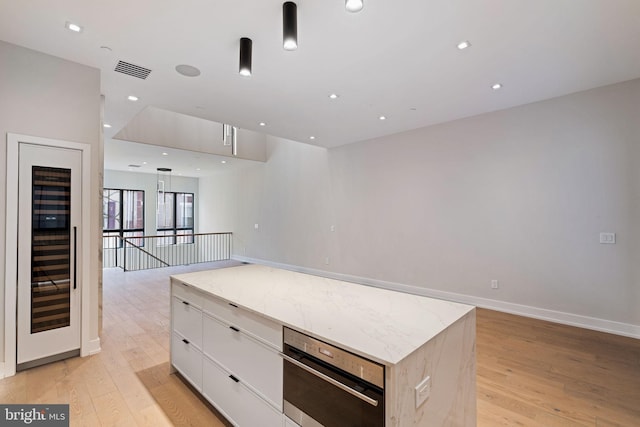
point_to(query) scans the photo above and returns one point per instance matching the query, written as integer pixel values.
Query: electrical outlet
(423, 390)
(326, 260)
(256, 226)
(494, 284)
(608, 238)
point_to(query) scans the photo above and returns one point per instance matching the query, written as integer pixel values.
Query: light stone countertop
(382, 325)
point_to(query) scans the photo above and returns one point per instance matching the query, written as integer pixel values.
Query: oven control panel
(361, 367)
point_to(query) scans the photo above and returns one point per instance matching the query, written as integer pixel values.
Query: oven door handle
(330, 380)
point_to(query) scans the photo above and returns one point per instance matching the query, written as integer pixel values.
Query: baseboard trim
(593, 323)
(92, 347)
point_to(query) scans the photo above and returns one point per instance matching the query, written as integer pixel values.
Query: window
(175, 218)
(123, 215)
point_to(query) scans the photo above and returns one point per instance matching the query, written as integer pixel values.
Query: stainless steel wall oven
(328, 386)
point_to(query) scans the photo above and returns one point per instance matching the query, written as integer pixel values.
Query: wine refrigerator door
(49, 216)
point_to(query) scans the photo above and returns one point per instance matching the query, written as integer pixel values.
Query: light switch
(423, 390)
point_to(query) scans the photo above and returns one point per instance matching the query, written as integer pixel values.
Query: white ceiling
(395, 58)
(144, 158)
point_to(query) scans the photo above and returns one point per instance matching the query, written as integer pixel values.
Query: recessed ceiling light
(312, 137)
(263, 124)
(223, 161)
(73, 27)
(496, 86)
(165, 154)
(334, 96)
(382, 117)
(144, 163)
(106, 125)
(187, 70)
(464, 44)
(197, 169)
(132, 98)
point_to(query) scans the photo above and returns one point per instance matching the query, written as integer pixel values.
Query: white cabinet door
(187, 359)
(253, 362)
(187, 321)
(259, 326)
(187, 293)
(235, 401)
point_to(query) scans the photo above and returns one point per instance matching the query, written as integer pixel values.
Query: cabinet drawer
(187, 321)
(235, 401)
(249, 322)
(186, 293)
(251, 361)
(187, 359)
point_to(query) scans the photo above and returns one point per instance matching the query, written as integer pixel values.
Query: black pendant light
(289, 26)
(245, 56)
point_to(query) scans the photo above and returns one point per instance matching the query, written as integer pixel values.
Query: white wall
(44, 96)
(217, 209)
(147, 182)
(518, 195)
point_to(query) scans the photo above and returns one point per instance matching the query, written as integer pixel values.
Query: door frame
(11, 244)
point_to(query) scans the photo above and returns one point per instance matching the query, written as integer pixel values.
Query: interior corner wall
(49, 97)
(518, 195)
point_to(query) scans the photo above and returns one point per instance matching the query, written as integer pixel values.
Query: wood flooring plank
(76, 394)
(112, 410)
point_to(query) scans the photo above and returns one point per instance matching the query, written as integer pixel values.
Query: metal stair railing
(144, 252)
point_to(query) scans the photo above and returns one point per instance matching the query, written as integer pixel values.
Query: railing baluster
(143, 252)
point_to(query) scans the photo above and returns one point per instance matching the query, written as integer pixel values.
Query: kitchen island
(228, 323)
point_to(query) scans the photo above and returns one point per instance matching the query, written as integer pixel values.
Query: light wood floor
(530, 373)
(536, 373)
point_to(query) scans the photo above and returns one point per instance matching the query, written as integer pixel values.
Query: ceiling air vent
(132, 70)
(134, 166)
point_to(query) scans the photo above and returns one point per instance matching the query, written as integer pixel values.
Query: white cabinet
(187, 293)
(256, 364)
(250, 323)
(187, 359)
(235, 400)
(231, 355)
(187, 321)
(186, 334)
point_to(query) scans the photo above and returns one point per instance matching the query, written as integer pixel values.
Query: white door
(49, 264)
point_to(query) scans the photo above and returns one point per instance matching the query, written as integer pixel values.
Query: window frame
(175, 229)
(121, 230)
